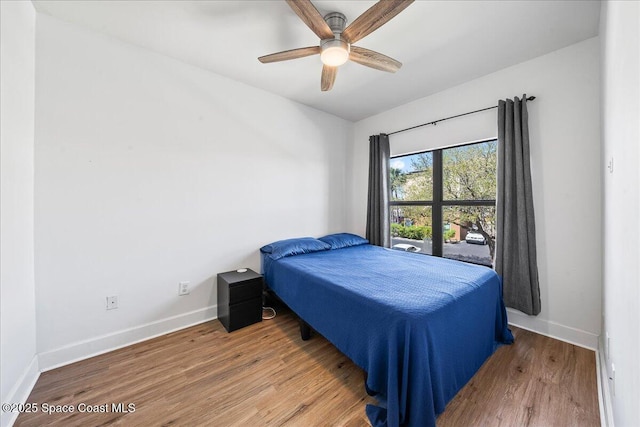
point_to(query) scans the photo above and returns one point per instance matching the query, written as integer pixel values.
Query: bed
(420, 326)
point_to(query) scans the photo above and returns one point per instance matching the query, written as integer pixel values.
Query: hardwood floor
(537, 381)
(264, 375)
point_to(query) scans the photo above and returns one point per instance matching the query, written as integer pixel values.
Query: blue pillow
(288, 247)
(343, 240)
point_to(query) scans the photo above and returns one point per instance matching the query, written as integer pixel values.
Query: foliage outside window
(443, 198)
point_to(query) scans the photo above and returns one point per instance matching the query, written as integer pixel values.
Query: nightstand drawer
(243, 314)
(242, 291)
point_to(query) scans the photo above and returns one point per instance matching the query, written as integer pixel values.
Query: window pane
(411, 177)
(411, 228)
(469, 233)
(469, 172)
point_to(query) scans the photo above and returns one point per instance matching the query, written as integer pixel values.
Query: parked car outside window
(476, 238)
(406, 247)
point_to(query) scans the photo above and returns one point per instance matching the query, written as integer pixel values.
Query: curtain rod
(530, 98)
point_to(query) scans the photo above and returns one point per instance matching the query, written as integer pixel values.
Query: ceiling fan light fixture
(335, 52)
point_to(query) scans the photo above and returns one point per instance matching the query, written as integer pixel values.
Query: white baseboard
(21, 391)
(604, 392)
(99, 345)
(554, 330)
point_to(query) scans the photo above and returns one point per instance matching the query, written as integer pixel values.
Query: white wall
(18, 361)
(566, 164)
(619, 32)
(150, 172)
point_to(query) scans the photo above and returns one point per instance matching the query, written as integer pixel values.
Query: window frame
(438, 202)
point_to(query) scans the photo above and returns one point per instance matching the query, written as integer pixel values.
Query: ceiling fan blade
(310, 15)
(374, 59)
(290, 54)
(375, 17)
(328, 77)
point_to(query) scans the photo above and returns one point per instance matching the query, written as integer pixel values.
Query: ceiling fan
(336, 41)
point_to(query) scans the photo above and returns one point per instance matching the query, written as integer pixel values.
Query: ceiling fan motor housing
(333, 43)
(337, 22)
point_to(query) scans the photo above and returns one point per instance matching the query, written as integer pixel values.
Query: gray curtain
(378, 232)
(515, 229)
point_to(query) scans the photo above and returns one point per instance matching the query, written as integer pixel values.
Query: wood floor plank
(265, 375)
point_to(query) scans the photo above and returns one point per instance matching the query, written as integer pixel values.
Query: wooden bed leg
(305, 330)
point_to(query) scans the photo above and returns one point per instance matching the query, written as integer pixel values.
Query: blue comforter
(420, 326)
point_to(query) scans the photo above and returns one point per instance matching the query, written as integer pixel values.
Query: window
(443, 202)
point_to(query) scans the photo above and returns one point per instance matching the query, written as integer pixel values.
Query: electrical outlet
(112, 302)
(183, 288)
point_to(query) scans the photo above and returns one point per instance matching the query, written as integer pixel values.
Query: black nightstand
(239, 299)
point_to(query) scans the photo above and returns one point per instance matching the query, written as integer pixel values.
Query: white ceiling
(440, 43)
